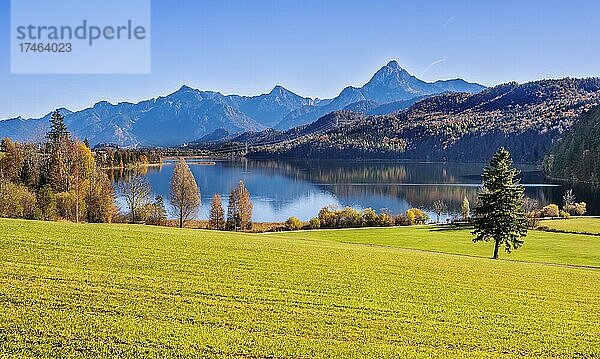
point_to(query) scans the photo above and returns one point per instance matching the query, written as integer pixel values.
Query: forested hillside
(577, 156)
(525, 118)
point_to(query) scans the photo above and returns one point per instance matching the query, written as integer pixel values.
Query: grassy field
(119, 290)
(545, 247)
(574, 225)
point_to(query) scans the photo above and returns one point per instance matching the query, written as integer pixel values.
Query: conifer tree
(500, 216)
(59, 146)
(58, 128)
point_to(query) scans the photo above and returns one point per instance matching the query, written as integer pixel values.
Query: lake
(281, 189)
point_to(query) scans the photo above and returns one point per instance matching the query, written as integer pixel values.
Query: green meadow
(87, 290)
(542, 247)
(574, 225)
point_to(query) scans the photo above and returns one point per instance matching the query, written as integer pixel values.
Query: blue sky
(316, 48)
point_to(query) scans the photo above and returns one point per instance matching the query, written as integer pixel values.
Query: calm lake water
(281, 189)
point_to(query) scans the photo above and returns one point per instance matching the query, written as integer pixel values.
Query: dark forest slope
(577, 156)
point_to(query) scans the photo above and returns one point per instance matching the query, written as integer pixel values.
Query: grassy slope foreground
(113, 290)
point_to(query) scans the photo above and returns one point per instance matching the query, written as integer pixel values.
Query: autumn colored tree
(580, 208)
(82, 167)
(239, 211)
(550, 210)
(57, 179)
(216, 219)
(314, 223)
(136, 190)
(11, 163)
(370, 217)
(293, 224)
(416, 216)
(327, 217)
(100, 198)
(184, 194)
(16, 201)
(385, 219)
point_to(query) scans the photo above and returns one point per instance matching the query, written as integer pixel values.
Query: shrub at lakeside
(571, 206)
(580, 208)
(550, 210)
(293, 224)
(314, 223)
(553, 211)
(348, 217)
(416, 216)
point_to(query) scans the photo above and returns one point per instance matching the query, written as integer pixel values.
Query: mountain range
(391, 84)
(189, 114)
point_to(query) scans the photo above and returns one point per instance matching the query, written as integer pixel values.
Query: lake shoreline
(282, 189)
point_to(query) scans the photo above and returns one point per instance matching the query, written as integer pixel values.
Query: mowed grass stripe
(541, 247)
(96, 290)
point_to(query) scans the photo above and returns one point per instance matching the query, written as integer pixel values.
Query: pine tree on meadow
(500, 216)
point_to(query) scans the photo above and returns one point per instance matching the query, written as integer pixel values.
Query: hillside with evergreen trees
(577, 156)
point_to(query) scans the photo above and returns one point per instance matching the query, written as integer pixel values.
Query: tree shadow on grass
(451, 227)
